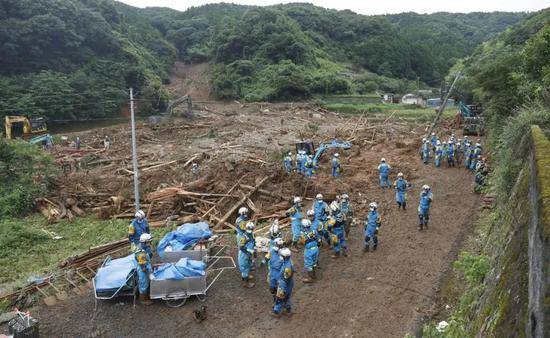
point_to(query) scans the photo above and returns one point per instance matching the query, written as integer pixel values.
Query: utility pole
(134, 152)
(443, 104)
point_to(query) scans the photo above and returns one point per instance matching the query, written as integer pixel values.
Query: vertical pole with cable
(134, 151)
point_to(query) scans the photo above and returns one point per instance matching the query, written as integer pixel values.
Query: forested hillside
(73, 59)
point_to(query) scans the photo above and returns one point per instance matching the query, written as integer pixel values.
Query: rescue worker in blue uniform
(143, 256)
(451, 154)
(372, 225)
(433, 141)
(137, 227)
(284, 285)
(384, 171)
(309, 167)
(401, 186)
(458, 152)
(347, 212)
(468, 155)
(288, 163)
(475, 154)
(274, 265)
(426, 198)
(425, 151)
(240, 222)
(295, 213)
(311, 251)
(438, 154)
(335, 226)
(336, 165)
(321, 211)
(247, 249)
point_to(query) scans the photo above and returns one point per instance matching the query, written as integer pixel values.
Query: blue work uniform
(401, 186)
(426, 199)
(451, 155)
(335, 225)
(295, 214)
(335, 167)
(425, 153)
(311, 249)
(347, 213)
(274, 265)
(476, 152)
(240, 225)
(467, 155)
(136, 229)
(371, 229)
(309, 168)
(320, 209)
(144, 268)
(288, 164)
(384, 170)
(438, 155)
(246, 253)
(285, 285)
(433, 141)
(458, 153)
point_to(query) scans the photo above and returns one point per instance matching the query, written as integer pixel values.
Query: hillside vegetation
(75, 59)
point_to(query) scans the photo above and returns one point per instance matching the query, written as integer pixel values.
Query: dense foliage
(25, 172)
(73, 59)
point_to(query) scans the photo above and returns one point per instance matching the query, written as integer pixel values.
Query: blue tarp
(114, 273)
(184, 237)
(183, 268)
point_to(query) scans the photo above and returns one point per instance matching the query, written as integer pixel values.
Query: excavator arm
(333, 144)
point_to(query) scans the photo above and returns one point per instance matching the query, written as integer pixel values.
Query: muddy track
(378, 294)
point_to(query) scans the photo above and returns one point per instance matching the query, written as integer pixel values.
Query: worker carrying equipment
(372, 226)
(335, 226)
(247, 247)
(285, 285)
(137, 227)
(311, 251)
(288, 163)
(143, 255)
(426, 198)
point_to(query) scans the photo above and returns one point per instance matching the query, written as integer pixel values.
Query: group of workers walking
(307, 165)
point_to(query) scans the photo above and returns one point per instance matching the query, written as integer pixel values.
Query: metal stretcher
(176, 292)
(129, 288)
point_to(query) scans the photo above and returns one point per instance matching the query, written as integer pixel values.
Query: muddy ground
(379, 294)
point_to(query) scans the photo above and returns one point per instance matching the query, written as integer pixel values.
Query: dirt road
(378, 294)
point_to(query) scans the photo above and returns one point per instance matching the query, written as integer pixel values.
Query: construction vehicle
(309, 148)
(30, 129)
(474, 124)
(156, 120)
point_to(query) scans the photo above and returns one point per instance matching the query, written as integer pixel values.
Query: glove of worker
(151, 276)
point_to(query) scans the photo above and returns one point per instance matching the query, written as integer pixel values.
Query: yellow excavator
(33, 130)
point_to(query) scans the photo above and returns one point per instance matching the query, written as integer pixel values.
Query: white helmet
(311, 212)
(433, 134)
(140, 214)
(278, 242)
(425, 187)
(289, 153)
(243, 211)
(373, 205)
(400, 175)
(306, 223)
(297, 199)
(478, 144)
(438, 142)
(424, 139)
(345, 196)
(250, 226)
(319, 197)
(284, 252)
(145, 238)
(466, 137)
(336, 154)
(383, 160)
(334, 206)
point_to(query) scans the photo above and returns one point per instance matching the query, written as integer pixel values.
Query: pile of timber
(93, 253)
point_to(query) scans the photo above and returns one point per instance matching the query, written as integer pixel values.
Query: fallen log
(241, 201)
(223, 198)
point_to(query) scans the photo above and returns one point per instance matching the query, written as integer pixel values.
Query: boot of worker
(404, 205)
(275, 315)
(335, 255)
(145, 300)
(307, 278)
(345, 252)
(249, 284)
(366, 249)
(314, 273)
(294, 247)
(426, 225)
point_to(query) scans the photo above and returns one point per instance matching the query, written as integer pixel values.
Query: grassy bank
(384, 110)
